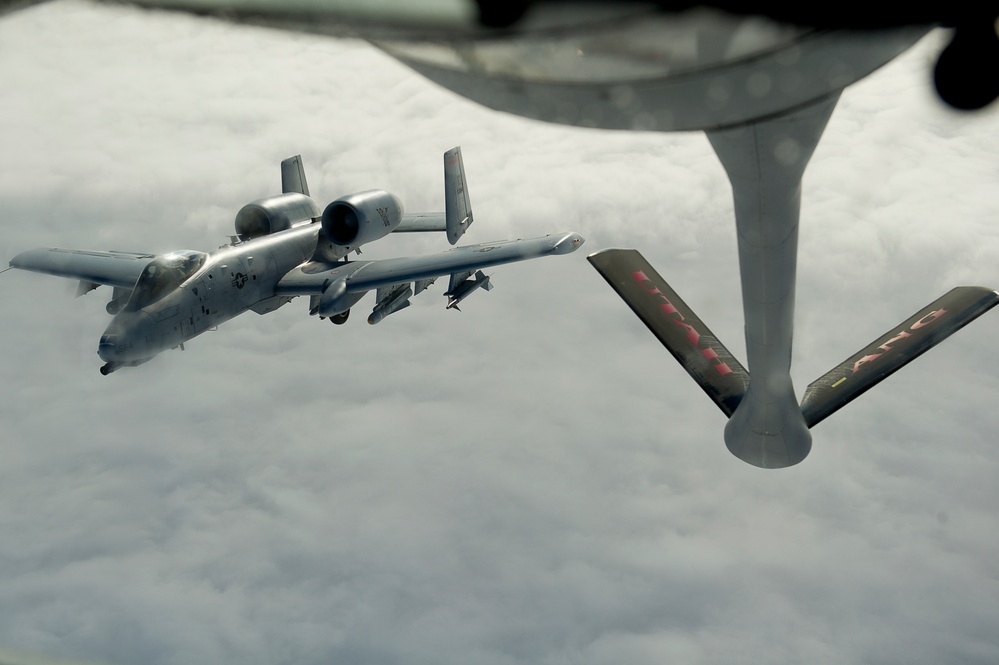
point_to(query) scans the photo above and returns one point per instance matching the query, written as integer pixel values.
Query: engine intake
(271, 215)
(353, 220)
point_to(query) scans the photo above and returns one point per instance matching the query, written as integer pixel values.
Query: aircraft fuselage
(232, 280)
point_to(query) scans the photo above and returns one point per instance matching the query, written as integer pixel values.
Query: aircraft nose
(120, 341)
(107, 347)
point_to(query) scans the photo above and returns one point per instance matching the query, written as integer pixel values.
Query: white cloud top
(533, 480)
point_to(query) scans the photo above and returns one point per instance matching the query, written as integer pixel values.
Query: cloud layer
(532, 480)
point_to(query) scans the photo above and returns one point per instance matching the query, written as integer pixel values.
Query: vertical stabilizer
(458, 207)
(293, 176)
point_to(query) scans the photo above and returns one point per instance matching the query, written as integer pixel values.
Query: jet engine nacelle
(277, 213)
(353, 220)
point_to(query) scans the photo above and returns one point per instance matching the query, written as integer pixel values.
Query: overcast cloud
(532, 480)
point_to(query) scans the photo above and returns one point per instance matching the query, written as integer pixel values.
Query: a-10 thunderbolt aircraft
(284, 247)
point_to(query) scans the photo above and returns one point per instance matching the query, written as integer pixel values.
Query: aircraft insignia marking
(893, 350)
(693, 336)
(921, 323)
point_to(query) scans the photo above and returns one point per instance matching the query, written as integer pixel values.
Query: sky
(531, 480)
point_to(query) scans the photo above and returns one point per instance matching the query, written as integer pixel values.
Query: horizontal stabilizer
(893, 350)
(683, 334)
(420, 222)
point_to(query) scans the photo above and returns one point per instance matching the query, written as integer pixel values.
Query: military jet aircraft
(284, 247)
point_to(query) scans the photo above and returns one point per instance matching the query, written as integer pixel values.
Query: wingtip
(569, 243)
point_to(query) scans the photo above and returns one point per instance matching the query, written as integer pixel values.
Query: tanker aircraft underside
(762, 92)
(771, 429)
(285, 247)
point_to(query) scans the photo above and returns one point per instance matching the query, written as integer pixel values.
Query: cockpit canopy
(162, 275)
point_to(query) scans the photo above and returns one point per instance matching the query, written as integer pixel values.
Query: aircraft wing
(119, 269)
(314, 278)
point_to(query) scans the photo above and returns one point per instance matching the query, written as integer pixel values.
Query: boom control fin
(895, 349)
(725, 380)
(682, 332)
